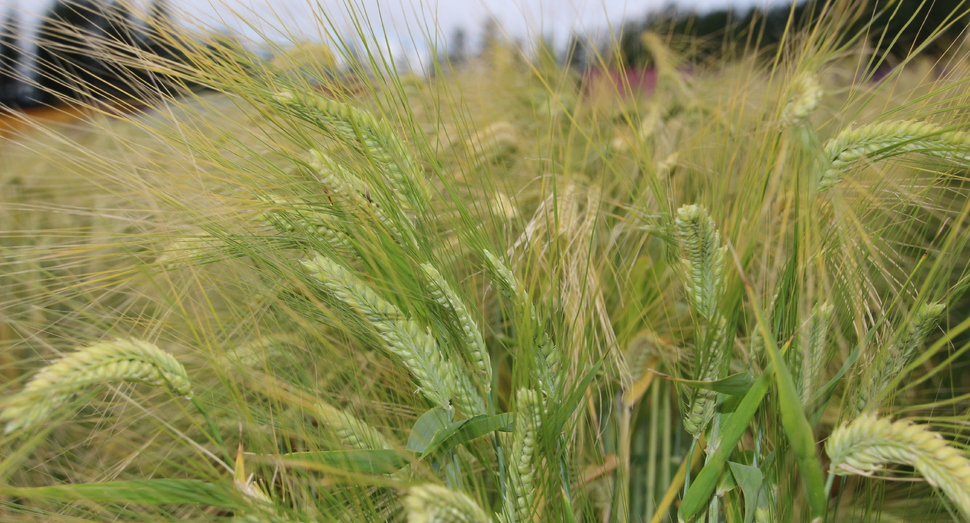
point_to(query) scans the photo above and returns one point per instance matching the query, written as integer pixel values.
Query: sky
(407, 21)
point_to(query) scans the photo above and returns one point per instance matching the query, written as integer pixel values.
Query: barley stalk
(375, 138)
(106, 361)
(864, 445)
(436, 504)
(702, 259)
(403, 337)
(879, 141)
(471, 333)
(520, 493)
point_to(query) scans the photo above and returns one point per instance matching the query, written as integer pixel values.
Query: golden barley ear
(436, 504)
(804, 98)
(104, 362)
(868, 443)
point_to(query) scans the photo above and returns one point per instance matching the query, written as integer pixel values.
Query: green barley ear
(805, 95)
(471, 333)
(374, 138)
(289, 217)
(416, 349)
(107, 361)
(352, 432)
(436, 504)
(889, 364)
(812, 349)
(520, 493)
(703, 402)
(866, 444)
(549, 364)
(702, 258)
(879, 141)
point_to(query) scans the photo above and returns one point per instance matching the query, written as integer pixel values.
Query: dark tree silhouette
(64, 59)
(11, 85)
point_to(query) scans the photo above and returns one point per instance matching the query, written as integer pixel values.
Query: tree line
(88, 50)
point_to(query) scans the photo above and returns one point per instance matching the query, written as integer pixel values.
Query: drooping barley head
(868, 443)
(436, 504)
(103, 362)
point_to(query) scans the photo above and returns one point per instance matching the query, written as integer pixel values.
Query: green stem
(213, 435)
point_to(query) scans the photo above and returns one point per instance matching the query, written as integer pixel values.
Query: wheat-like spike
(373, 137)
(806, 93)
(350, 187)
(497, 141)
(888, 365)
(879, 141)
(352, 432)
(471, 333)
(519, 500)
(867, 443)
(436, 504)
(549, 364)
(812, 347)
(702, 258)
(711, 368)
(253, 352)
(106, 361)
(289, 216)
(403, 337)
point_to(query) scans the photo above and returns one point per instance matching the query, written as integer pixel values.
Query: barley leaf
(793, 420)
(733, 426)
(369, 461)
(733, 385)
(467, 430)
(566, 408)
(424, 430)
(141, 491)
(749, 478)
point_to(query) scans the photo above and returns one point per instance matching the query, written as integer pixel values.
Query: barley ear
(519, 501)
(352, 432)
(471, 333)
(549, 363)
(403, 338)
(374, 138)
(805, 95)
(711, 367)
(702, 259)
(103, 362)
(812, 349)
(866, 444)
(888, 364)
(880, 141)
(436, 504)
(289, 217)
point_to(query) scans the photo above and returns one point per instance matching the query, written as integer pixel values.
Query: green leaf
(733, 385)
(733, 426)
(566, 408)
(793, 420)
(750, 480)
(467, 430)
(369, 461)
(143, 491)
(424, 430)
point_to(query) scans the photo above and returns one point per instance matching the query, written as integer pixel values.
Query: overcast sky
(405, 21)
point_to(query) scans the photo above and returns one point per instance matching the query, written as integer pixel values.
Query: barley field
(503, 292)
